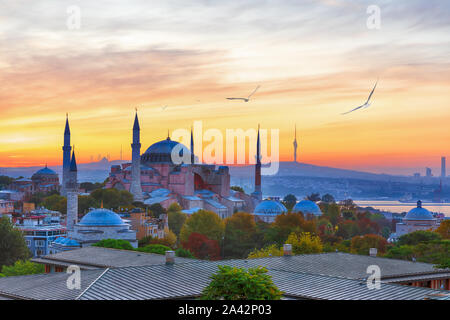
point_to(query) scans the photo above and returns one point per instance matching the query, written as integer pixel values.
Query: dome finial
(168, 134)
(419, 204)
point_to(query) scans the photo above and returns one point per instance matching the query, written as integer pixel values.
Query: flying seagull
(245, 99)
(366, 104)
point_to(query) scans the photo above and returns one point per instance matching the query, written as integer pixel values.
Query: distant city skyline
(312, 59)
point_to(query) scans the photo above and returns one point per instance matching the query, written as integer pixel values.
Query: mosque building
(267, 210)
(44, 180)
(152, 177)
(416, 219)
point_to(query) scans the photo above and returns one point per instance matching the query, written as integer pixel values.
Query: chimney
(373, 252)
(170, 257)
(287, 249)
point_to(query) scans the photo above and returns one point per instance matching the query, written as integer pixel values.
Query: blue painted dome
(45, 171)
(162, 151)
(419, 213)
(101, 217)
(307, 207)
(270, 207)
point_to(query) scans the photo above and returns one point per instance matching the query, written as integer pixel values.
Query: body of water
(399, 207)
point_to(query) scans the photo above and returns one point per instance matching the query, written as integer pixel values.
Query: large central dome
(419, 213)
(162, 151)
(101, 217)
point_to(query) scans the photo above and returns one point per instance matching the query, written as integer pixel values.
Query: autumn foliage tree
(240, 232)
(444, 229)
(362, 244)
(287, 223)
(202, 247)
(204, 222)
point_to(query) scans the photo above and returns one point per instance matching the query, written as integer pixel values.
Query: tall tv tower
(295, 144)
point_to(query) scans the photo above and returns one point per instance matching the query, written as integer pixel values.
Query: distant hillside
(309, 170)
(98, 172)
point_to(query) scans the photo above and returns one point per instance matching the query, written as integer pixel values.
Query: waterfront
(399, 207)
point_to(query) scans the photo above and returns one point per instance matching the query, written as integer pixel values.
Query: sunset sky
(313, 59)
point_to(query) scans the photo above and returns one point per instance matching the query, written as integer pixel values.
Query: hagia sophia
(152, 177)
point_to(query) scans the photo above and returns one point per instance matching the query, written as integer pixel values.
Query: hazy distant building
(429, 174)
(416, 219)
(443, 171)
(44, 180)
(417, 175)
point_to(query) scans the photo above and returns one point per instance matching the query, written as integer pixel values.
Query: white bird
(366, 104)
(245, 99)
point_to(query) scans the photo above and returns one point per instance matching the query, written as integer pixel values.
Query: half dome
(270, 207)
(307, 207)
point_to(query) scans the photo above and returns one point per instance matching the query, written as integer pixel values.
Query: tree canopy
(12, 244)
(231, 283)
(204, 222)
(289, 201)
(176, 218)
(240, 232)
(21, 268)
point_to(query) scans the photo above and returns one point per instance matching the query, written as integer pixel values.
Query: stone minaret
(66, 157)
(257, 194)
(72, 194)
(135, 188)
(192, 148)
(295, 144)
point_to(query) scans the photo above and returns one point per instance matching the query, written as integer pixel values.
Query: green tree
(156, 210)
(328, 198)
(113, 198)
(362, 244)
(417, 237)
(289, 201)
(114, 243)
(204, 222)
(176, 218)
(231, 283)
(55, 202)
(272, 250)
(332, 213)
(154, 248)
(237, 188)
(21, 268)
(184, 253)
(5, 181)
(305, 243)
(12, 244)
(89, 186)
(240, 232)
(85, 203)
